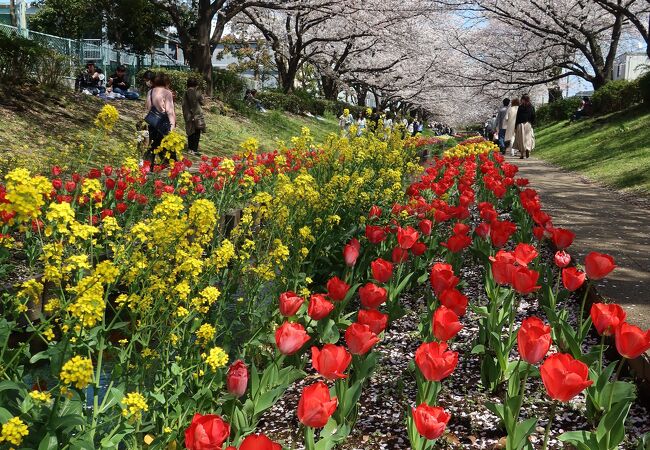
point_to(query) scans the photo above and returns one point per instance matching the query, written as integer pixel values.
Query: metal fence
(102, 53)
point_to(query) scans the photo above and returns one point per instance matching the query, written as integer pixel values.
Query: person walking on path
(524, 135)
(161, 100)
(511, 120)
(193, 115)
(501, 125)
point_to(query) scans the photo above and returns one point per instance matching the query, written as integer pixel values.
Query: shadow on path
(604, 223)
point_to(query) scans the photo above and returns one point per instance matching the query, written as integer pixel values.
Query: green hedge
(178, 79)
(299, 103)
(558, 110)
(228, 86)
(24, 60)
(644, 88)
(616, 96)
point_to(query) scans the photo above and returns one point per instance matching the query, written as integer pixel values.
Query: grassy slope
(613, 149)
(38, 130)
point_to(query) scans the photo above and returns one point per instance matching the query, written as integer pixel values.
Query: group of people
(92, 81)
(512, 126)
(441, 129)
(161, 113)
(409, 126)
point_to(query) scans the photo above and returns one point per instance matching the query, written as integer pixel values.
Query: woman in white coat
(511, 119)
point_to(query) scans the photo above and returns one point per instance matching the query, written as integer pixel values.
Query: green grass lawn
(612, 149)
(38, 130)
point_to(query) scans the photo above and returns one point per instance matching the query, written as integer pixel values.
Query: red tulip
(483, 229)
(70, 186)
(258, 442)
(237, 378)
(360, 338)
(435, 361)
(523, 280)
(375, 234)
(207, 432)
(56, 171)
(351, 252)
(381, 269)
(425, 226)
(375, 320)
(562, 238)
(598, 265)
(502, 267)
(57, 184)
(631, 341)
(572, 278)
(457, 243)
(372, 296)
(331, 361)
(525, 254)
(533, 340)
(337, 289)
(607, 317)
(419, 248)
(445, 324)
(315, 406)
(442, 277)
(500, 232)
(430, 421)
(319, 307)
(399, 255)
(562, 259)
(406, 237)
(290, 337)
(460, 228)
(375, 211)
(290, 303)
(454, 300)
(564, 377)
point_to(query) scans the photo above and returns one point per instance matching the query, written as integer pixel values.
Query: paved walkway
(603, 222)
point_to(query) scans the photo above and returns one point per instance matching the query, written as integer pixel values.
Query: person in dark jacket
(193, 115)
(119, 83)
(524, 134)
(91, 80)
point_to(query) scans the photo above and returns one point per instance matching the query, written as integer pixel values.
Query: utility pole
(21, 17)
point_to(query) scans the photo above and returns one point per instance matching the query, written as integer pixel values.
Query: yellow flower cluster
(25, 194)
(88, 307)
(107, 118)
(134, 405)
(172, 146)
(13, 431)
(249, 147)
(77, 371)
(471, 149)
(216, 358)
(205, 333)
(41, 396)
(205, 299)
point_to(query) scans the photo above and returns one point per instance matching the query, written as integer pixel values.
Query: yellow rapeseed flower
(134, 405)
(13, 431)
(216, 359)
(107, 118)
(77, 371)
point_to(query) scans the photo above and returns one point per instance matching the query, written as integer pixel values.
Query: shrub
(19, 58)
(227, 85)
(644, 88)
(615, 96)
(558, 110)
(178, 79)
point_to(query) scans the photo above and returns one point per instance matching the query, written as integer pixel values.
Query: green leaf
(68, 421)
(5, 415)
(497, 409)
(613, 423)
(175, 369)
(328, 332)
(478, 349)
(113, 397)
(581, 439)
(423, 278)
(11, 386)
(49, 442)
(523, 430)
(619, 391)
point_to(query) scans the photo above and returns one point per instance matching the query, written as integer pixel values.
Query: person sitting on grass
(119, 83)
(251, 98)
(90, 81)
(584, 110)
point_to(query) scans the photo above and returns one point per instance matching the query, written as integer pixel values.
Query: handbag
(199, 123)
(159, 121)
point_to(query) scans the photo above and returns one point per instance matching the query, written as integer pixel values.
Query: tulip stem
(582, 310)
(309, 439)
(611, 395)
(602, 346)
(547, 433)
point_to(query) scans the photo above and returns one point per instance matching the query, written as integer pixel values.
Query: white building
(630, 66)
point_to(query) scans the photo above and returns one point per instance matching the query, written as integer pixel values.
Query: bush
(227, 85)
(644, 88)
(19, 58)
(178, 79)
(558, 110)
(616, 96)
